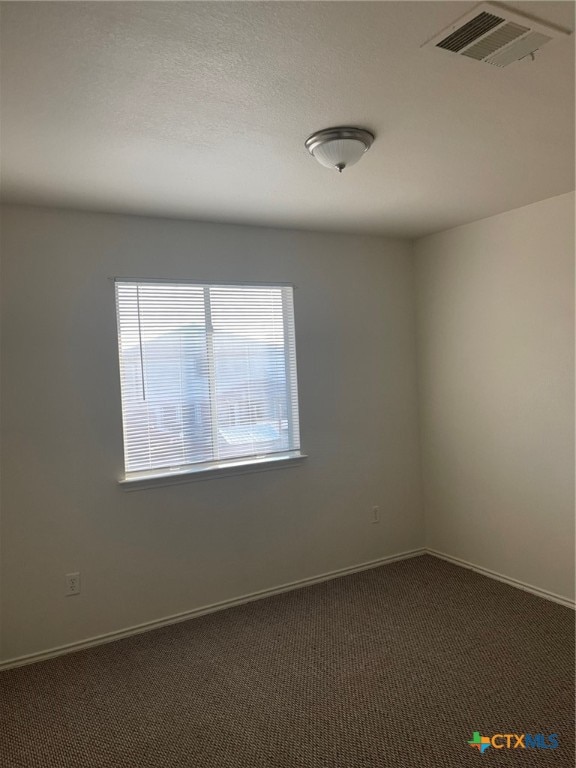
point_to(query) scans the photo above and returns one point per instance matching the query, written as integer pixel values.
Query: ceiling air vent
(494, 35)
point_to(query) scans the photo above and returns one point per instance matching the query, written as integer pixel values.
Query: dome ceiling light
(339, 147)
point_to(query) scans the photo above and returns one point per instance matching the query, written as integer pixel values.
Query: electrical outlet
(375, 514)
(72, 584)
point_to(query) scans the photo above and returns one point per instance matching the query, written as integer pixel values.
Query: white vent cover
(494, 35)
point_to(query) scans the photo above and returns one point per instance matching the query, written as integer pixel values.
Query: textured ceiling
(200, 110)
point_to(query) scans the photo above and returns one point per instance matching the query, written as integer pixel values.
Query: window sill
(226, 469)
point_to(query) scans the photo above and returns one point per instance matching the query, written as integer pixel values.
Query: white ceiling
(200, 110)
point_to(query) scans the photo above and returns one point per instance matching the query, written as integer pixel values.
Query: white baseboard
(177, 618)
(184, 616)
(507, 580)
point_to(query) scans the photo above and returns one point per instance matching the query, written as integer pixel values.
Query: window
(208, 376)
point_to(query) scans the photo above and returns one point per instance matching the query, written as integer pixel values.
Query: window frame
(164, 476)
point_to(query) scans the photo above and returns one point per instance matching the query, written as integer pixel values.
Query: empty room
(287, 384)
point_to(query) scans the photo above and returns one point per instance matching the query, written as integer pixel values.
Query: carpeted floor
(396, 666)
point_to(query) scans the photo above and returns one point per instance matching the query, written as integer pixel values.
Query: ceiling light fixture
(339, 147)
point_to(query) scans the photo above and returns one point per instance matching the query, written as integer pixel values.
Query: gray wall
(496, 378)
(153, 553)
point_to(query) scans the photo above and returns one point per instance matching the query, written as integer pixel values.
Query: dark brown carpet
(390, 667)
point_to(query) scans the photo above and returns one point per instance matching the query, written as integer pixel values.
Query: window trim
(191, 473)
(162, 477)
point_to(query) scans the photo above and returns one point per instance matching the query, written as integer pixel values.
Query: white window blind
(208, 375)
